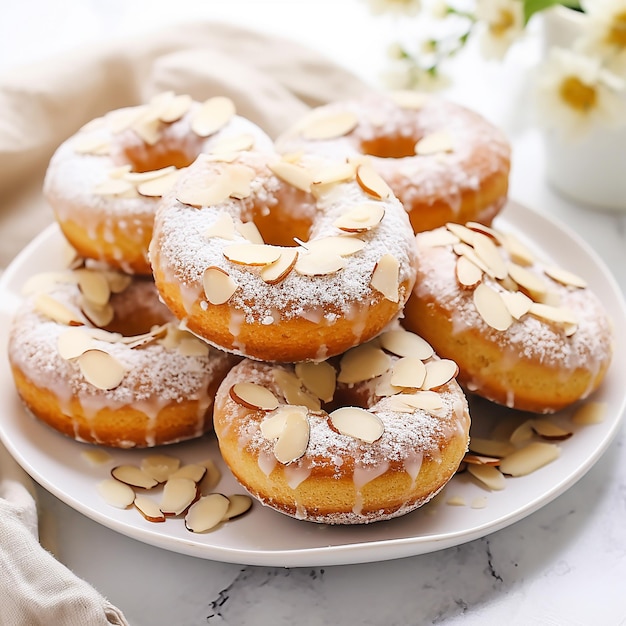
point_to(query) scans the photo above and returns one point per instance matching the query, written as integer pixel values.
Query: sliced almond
(534, 286)
(439, 237)
(252, 253)
(133, 476)
(456, 501)
(371, 182)
(479, 459)
(92, 144)
(277, 271)
(490, 447)
(148, 508)
(362, 363)
(159, 466)
(94, 286)
(334, 173)
(249, 231)
(292, 174)
(529, 458)
(101, 369)
(149, 129)
(439, 373)
(491, 307)
(549, 430)
(489, 253)
(273, 424)
(193, 471)
(361, 218)
(73, 342)
(158, 187)
(206, 513)
(405, 343)
(217, 192)
(218, 285)
(118, 282)
(56, 311)
(99, 316)
(488, 476)
(212, 115)
(485, 230)
(558, 315)
(330, 125)
(223, 227)
(342, 245)
(522, 434)
(319, 378)
(293, 392)
(236, 143)
(239, 504)
(211, 478)
(358, 423)
(294, 437)
(428, 401)
(468, 275)
(463, 232)
(408, 372)
(318, 264)
(175, 108)
(386, 277)
(565, 277)
(115, 493)
(178, 495)
(119, 120)
(253, 396)
(517, 303)
(519, 253)
(464, 249)
(590, 413)
(437, 142)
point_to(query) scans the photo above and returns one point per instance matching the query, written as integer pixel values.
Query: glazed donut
(377, 444)
(96, 356)
(525, 333)
(104, 182)
(225, 261)
(443, 161)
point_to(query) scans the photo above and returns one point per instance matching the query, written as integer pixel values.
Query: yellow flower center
(504, 23)
(578, 95)
(616, 35)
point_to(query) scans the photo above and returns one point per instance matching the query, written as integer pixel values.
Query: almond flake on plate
(549, 430)
(529, 458)
(159, 466)
(115, 493)
(358, 423)
(133, 476)
(489, 476)
(590, 413)
(239, 504)
(149, 508)
(206, 513)
(178, 495)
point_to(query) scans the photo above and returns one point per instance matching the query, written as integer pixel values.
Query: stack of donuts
(312, 300)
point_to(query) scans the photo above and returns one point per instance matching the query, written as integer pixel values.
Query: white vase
(592, 169)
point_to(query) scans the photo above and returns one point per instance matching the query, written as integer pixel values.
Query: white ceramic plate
(264, 537)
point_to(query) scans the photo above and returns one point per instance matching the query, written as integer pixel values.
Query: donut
(104, 182)
(282, 260)
(443, 161)
(96, 356)
(524, 332)
(367, 436)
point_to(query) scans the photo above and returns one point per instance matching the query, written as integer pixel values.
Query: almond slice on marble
(330, 125)
(549, 430)
(94, 286)
(361, 218)
(437, 142)
(223, 227)
(362, 363)
(236, 143)
(439, 237)
(386, 277)
(193, 471)
(590, 413)
(252, 253)
(56, 311)
(101, 369)
(294, 437)
(531, 284)
(569, 279)
(218, 285)
(175, 108)
(408, 99)
(318, 378)
(117, 494)
(341, 245)
(489, 253)
(408, 372)
(212, 115)
(491, 307)
(371, 182)
(292, 174)
(405, 343)
(318, 264)
(99, 316)
(73, 342)
(238, 504)
(148, 508)
(160, 186)
(253, 396)
(517, 303)
(357, 423)
(178, 495)
(159, 466)
(439, 373)
(92, 144)
(133, 476)
(249, 231)
(291, 388)
(468, 275)
(277, 271)
(529, 458)
(206, 513)
(490, 447)
(489, 476)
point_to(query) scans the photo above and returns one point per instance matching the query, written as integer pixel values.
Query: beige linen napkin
(272, 82)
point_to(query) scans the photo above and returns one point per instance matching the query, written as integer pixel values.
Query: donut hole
(149, 158)
(390, 147)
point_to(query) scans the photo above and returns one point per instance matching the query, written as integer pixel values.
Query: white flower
(605, 32)
(503, 23)
(405, 73)
(399, 7)
(574, 93)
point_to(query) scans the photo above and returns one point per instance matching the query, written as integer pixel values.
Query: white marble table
(563, 565)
